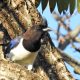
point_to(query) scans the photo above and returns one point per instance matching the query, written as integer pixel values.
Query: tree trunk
(16, 16)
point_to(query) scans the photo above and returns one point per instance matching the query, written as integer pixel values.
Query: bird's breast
(22, 56)
(29, 59)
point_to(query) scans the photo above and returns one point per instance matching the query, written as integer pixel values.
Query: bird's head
(37, 31)
(32, 37)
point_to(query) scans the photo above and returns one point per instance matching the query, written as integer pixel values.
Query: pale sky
(74, 21)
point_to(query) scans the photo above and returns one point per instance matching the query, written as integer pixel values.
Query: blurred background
(64, 28)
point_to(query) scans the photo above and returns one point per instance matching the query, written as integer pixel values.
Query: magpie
(24, 49)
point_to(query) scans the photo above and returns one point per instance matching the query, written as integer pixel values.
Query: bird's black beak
(47, 29)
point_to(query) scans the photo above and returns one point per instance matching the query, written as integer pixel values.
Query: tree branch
(50, 53)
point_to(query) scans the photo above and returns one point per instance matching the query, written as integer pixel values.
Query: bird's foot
(29, 67)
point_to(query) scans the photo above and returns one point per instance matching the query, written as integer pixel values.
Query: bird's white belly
(21, 55)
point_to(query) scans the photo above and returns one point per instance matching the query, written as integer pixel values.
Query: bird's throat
(31, 46)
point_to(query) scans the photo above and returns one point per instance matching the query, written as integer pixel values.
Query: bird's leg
(29, 67)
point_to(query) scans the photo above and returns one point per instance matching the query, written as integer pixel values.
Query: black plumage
(32, 39)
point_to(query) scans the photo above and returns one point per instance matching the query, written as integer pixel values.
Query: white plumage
(22, 56)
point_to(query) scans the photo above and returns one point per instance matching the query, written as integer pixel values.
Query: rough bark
(16, 16)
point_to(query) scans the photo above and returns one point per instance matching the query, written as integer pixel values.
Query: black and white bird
(24, 49)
